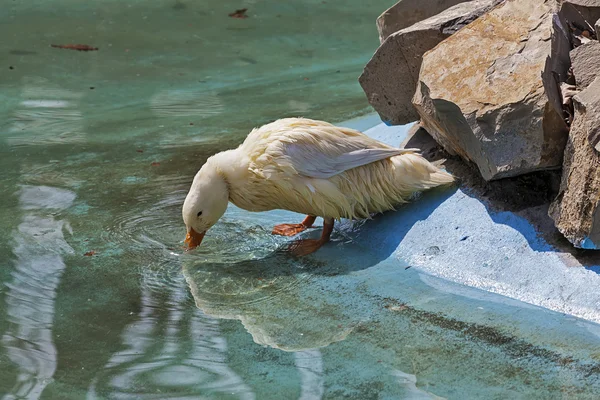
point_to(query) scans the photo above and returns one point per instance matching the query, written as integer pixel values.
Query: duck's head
(204, 205)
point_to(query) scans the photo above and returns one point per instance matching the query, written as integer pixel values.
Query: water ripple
(156, 227)
(151, 367)
(186, 103)
(48, 174)
(244, 282)
(155, 234)
(47, 114)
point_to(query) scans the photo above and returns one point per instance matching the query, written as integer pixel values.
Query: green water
(97, 153)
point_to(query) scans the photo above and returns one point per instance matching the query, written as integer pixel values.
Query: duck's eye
(199, 213)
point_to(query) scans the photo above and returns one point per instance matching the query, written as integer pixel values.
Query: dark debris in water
(179, 6)
(18, 52)
(78, 47)
(249, 60)
(239, 14)
(89, 253)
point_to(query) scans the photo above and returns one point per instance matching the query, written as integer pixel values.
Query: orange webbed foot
(305, 247)
(288, 229)
(294, 229)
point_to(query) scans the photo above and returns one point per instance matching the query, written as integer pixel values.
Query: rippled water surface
(99, 301)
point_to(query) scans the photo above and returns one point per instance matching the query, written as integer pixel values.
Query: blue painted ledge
(452, 235)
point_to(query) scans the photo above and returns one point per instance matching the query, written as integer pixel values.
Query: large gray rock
(556, 69)
(481, 94)
(589, 9)
(586, 63)
(390, 78)
(576, 211)
(408, 12)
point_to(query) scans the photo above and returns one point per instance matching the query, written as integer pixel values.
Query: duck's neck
(229, 165)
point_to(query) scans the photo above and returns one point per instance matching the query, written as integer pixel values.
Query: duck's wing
(311, 162)
(320, 150)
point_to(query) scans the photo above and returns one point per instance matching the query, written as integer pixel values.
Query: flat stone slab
(457, 236)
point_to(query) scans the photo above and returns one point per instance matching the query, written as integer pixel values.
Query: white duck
(309, 167)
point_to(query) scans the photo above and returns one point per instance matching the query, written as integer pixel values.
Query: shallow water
(99, 301)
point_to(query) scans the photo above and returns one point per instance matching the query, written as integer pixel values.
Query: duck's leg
(307, 246)
(294, 229)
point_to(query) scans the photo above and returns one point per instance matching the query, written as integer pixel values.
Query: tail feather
(440, 178)
(419, 174)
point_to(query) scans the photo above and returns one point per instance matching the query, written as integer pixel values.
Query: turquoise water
(99, 301)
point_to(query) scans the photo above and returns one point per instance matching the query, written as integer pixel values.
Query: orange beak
(193, 239)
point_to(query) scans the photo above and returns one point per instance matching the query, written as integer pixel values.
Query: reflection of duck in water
(267, 296)
(310, 167)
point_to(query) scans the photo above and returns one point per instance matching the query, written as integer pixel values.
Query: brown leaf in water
(155, 164)
(78, 47)
(140, 150)
(240, 14)
(90, 253)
